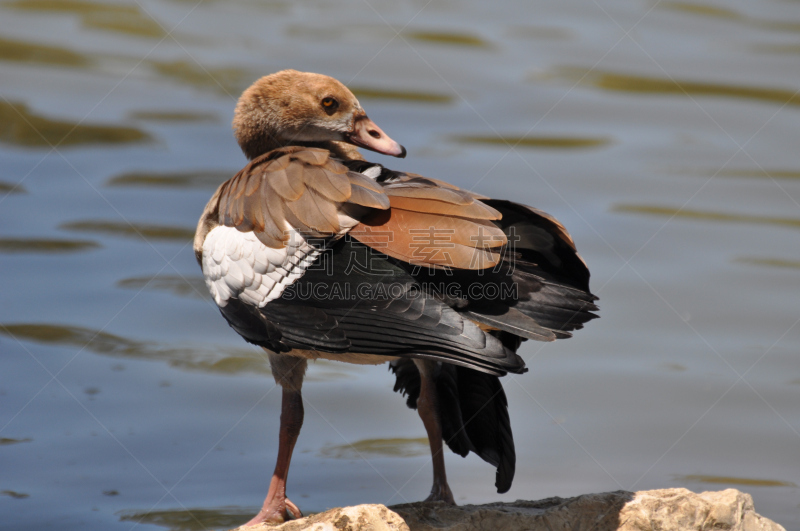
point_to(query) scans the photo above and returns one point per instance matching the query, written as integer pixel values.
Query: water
(662, 134)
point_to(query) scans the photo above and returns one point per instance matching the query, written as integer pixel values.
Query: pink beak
(368, 135)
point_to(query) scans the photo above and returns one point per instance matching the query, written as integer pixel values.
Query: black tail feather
(474, 413)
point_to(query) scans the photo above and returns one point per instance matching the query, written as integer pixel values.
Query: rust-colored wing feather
(299, 187)
(436, 224)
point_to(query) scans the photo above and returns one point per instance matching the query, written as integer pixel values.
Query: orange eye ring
(330, 104)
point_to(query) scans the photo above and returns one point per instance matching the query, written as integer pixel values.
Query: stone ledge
(663, 510)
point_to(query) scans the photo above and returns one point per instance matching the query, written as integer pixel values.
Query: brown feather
(430, 239)
(313, 156)
(425, 191)
(368, 198)
(278, 163)
(275, 209)
(290, 190)
(365, 182)
(315, 213)
(335, 187)
(476, 210)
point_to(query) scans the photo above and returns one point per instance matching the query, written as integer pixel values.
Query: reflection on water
(190, 179)
(729, 14)
(14, 494)
(747, 482)
(40, 245)
(397, 447)
(252, 361)
(177, 285)
(122, 18)
(224, 361)
(28, 52)
(191, 519)
(759, 173)
(540, 32)
(793, 49)
(94, 340)
(769, 262)
(8, 441)
(619, 82)
(368, 93)
(166, 116)
(456, 39)
(8, 188)
(20, 126)
(545, 142)
(230, 81)
(675, 367)
(147, 231)
(328, 33)
(701, 9)
(686, 213)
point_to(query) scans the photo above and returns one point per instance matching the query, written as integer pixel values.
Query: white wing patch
(373, 172)
(237, 265)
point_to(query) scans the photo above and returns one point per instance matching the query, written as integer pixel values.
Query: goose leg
(429, 412)
(288, 372)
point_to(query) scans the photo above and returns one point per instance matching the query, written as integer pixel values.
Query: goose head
(301, 108)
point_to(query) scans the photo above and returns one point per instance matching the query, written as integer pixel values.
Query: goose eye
(330, 104)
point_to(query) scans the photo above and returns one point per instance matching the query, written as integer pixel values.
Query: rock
(356, 518)
(665, 510)
(662, 510)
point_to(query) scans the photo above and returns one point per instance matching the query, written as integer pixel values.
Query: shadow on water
(619, 82)
(541, 142)
(191, 519)
(190, 179)
(726, 480)
(21, 127)
(194, 287)
(38, 245)
(706, 216)
(397, 447)
(147, 231)
(128, 19)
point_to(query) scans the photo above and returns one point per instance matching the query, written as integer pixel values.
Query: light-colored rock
(659, 510)
(356, 518)
(729, 509)
(653, 510)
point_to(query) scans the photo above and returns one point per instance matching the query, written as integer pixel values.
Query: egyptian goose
(312, 252)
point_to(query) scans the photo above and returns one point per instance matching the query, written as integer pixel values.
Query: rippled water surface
(663, 134)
